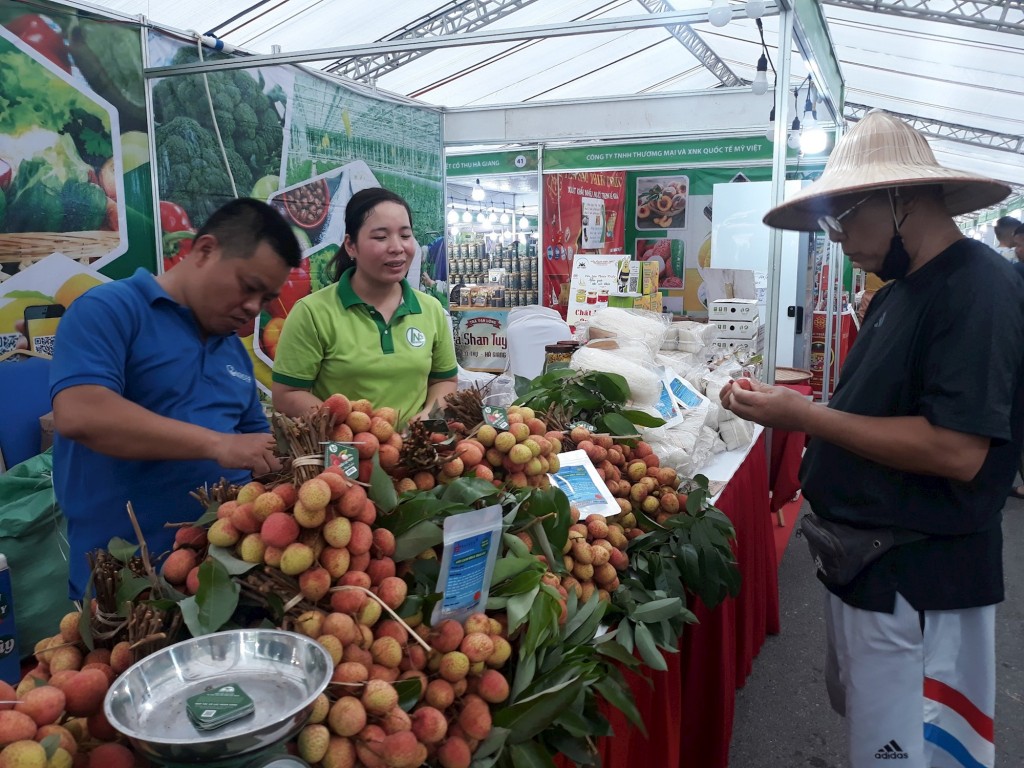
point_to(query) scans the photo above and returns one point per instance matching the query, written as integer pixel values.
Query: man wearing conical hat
(919, 446)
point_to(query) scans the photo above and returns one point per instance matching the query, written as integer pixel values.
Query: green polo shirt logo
(415, 337)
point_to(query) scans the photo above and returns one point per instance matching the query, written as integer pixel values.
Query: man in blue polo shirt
(153, 393)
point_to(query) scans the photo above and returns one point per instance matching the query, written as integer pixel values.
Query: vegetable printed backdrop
(582, 213)
(74, 157)
(302, 143)
(75, 176)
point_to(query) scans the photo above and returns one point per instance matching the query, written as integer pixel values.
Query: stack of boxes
(637, 287)
(738, 324)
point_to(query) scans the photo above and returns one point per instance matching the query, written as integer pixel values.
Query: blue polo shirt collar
(146, 282)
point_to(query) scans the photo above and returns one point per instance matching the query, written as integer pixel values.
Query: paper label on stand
(684, 393)
(578, 479)
(592, 229)
(496, 417)
(343, 456)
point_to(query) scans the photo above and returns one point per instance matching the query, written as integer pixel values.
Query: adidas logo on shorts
(891, 751)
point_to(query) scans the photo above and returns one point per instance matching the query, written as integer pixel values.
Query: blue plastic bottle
(10, 661)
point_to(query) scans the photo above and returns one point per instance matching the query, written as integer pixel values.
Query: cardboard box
(623, 300)
(642, 278)
(737, 329)
(755, 344)
(734, 309)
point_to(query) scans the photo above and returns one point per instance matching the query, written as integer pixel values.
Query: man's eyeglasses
(833, 224)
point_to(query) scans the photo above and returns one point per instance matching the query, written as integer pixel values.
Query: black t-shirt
(946, 343)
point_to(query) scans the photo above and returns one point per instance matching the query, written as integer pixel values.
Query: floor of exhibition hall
(782, 713)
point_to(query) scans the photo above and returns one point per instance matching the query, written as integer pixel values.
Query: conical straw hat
(882, 152)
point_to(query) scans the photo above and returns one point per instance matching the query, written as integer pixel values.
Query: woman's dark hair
(240, 225)
(359, 207)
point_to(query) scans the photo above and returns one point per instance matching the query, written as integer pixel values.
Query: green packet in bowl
(218, 706)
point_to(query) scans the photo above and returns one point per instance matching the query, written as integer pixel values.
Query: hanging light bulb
(524, 223)
(492, 217)
(453, 216)
(506, 235)
(480, 218)
(760, 82)
(755, 9)
(504, 217)
(454, 230)
(720, 13)
(813, 140)
(478, 193)
(467, 217)
(794, 134)
(770, 133)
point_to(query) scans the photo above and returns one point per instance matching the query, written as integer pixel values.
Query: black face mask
(896, 262)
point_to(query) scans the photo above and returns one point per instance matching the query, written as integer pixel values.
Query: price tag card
(343, 456)
(581, 423)
(496, 417)
(684, 393)
(471, 544)
(578, 479)
(218, 706)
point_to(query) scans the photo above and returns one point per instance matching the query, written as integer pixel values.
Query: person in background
(1018, 248)
(923, 435)
(154, 394)
(1004, 230)
(370, 335)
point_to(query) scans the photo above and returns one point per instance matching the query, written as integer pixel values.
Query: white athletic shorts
(913, 699)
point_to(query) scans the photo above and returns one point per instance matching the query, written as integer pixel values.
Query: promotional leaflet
(471, 544)
(578, 479)
(594, 277)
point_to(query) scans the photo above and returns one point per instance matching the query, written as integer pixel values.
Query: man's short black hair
(240, 225)
(1007, 224)
(1019, 231)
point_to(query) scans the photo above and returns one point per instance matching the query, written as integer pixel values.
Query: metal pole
(778, 190)
(484, 37)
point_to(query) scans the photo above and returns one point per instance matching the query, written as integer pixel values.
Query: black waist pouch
(842, 551)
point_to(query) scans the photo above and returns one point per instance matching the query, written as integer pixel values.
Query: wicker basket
(75, 245)
(785, 375)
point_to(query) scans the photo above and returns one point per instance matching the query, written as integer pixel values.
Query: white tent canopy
(958, 67)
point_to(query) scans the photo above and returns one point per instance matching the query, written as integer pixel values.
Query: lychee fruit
(347, 716)
(313, 742)
(366, 443)
(16, 726)
(392, 591)
(297, 558)
(492, 686)
(339, 406)
(267, 504)
(315, 494)
(337, 532)
(379, 697)
(402, 750)
(177, 565)
(314, 583)
(279, 530)
(454, 666)
(387, 652)
(477, 646)
(223, 534)
(454, 753)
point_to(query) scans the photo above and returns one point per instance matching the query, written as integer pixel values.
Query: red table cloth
(688, 709)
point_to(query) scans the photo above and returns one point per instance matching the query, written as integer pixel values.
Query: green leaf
(658, 610)
(511, 566)
(543, 620)
(468, 490)
(527, 718)
(50, 744)
(690, 564)
(85, 616)
(408, 693)
(522, 385)
(208, 516)
(695, 501)
(122, 550)
(423, 535)
(617, 424)
(614, 689)
(642, 418)
(382, 489)
(519, 608)
(492, 745)
(530, 754)
(649, 649)
(624, 635)
(614, 650)
(232, 564)
(211, 607)
(517, 585)
(525, 671)
(131, 586)
(515, 546)
(582, 627)
(613, 386)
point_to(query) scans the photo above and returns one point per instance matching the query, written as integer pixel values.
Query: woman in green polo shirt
(370, 334)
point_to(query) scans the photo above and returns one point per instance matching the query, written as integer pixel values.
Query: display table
(688, 709)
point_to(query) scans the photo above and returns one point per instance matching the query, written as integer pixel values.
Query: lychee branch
(412, 633)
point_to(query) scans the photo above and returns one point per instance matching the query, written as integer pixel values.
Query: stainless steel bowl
(283, 673)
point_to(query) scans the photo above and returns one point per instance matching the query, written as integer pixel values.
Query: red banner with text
(583, 213)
